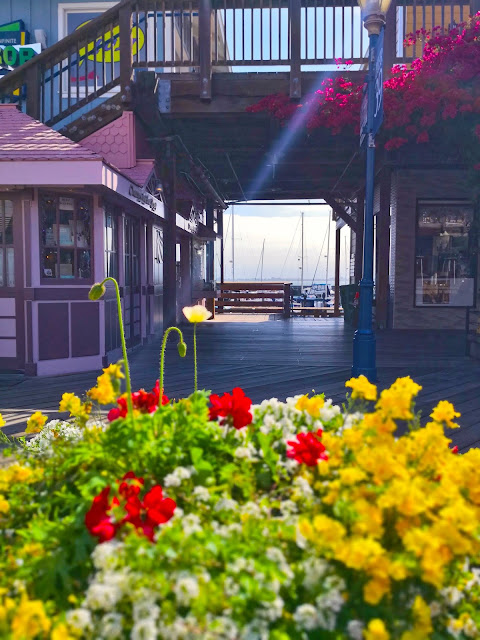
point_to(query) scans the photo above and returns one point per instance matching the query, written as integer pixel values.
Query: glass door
(132, 309)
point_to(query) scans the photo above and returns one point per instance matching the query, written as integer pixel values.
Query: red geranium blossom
(105, 517)
(233, 408)
(307, 448)
(142, 401)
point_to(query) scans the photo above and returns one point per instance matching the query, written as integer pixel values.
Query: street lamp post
(364, 343)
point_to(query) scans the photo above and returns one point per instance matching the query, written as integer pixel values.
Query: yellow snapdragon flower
(115, 371)
(2, 421)
(362, 388)
(376, 630)
(104, 392)
(444, 412)
(30, 620)
(311, 406)
(36, 422)
(61, 633)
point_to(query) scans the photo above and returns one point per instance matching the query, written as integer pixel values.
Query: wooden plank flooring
(279, 358)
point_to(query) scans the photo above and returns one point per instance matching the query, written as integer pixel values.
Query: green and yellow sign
(14, 55)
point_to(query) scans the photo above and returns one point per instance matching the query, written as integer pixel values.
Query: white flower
(175, 479)
(42, 443)
(111, 625)
(202, 494)
(303, 487)
(330, 601)
(452, 628)
(314, 569)
(191, 524)
(231, 586)
(306, 617)
(145, 609)
(470, 628)
(79, 619)
(246, 453)
(223, 627)
(102, 596)
(186, 589)
(252, 509)
(226, 504)
(242, 564)
(106, 555)
(329, 411)
(272, 610)
(144, 630)
(355, 629)
(435, 609)
(452, 595)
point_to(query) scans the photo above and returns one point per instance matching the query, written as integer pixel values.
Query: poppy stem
(195, 355)
(128, 382)
(162, 359)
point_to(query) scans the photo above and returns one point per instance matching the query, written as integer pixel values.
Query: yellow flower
(396, 402)
(104, 392)
(197, 313)
(376, 630)
(33, 549)
(2, 421)
(374, 591)
(445, 412)
(362, 388)
(310, 405)
(115, 370)
(61, 633)
(35, 422)
(4, 506)
(30, 620)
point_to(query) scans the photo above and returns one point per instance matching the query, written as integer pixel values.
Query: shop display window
(157, 255)
(65, 224)
(446, 255)
(7, 251)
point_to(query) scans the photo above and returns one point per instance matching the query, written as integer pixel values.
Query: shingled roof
(23, 138)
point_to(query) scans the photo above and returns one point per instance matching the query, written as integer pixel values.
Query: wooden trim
(295, 9)
(340, 211)
(205, 49)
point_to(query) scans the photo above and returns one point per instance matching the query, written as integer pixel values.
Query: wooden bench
(254, 297)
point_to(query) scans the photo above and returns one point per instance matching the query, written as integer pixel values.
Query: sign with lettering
(13, 33)
(12, 56)
(143, 197)
(378, 85)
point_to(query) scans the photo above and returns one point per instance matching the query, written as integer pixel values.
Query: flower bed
(209, 517)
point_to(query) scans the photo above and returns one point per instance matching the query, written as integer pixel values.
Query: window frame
(4, 246)
(111, 211)
(442, 201)
(57, 281)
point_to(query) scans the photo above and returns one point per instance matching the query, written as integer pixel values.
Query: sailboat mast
(301, 281)
(261, 268)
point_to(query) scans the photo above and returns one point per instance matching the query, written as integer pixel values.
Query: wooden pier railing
(255, 297)
(99, 61)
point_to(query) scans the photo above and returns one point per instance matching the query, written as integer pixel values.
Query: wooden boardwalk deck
(280, 358)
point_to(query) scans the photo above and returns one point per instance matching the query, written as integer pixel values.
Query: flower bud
(96, 292)
(182, 349)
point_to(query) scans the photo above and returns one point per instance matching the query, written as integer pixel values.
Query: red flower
(144, 515)
(141, 400)
(307, 449)
(234, 409)
(455, 449)
(423, 137)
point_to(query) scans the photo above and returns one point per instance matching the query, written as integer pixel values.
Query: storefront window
(111, 243)
(7, 273)
(199, 275)
(65, 237)
(445, 264)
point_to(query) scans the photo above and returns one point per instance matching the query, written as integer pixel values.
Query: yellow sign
(104, 48)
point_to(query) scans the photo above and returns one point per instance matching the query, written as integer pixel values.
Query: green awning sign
(13, 56)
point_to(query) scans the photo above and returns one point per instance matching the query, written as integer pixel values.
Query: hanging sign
(378, 85)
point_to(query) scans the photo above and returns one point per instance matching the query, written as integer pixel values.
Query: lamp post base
(364, 351)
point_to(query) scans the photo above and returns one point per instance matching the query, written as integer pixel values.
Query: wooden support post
(126, 59)
(170, 238)
(358, 270)
(383, 251)
(287, 289)
(390, 41)
(210, 246)
(336, 302)
(33, 92)
(220, 233)
(295, 19)
(205, 48)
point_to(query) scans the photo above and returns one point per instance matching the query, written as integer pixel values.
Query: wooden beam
(340, 211)
(169, 170)
(126, 58)
(295, 20)
(205, 49)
